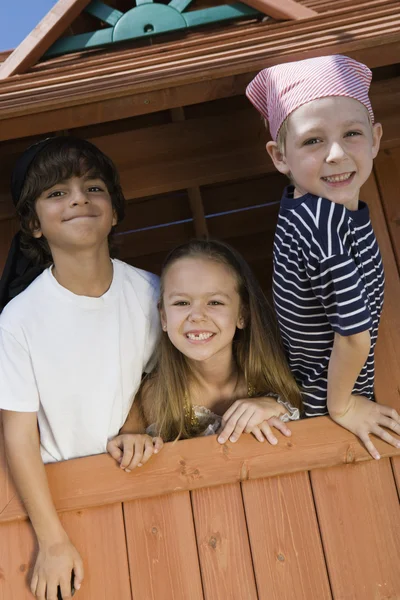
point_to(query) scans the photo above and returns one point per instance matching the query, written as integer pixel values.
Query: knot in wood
(154, 530)
(212, 542)
(281, 557)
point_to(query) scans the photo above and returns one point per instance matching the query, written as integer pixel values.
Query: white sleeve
(153, 326)
(18, 390)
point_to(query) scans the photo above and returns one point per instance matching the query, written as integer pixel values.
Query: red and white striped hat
(276, 92)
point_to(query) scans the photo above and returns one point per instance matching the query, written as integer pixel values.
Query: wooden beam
(282, 9)
(32, 48)
(198, 463)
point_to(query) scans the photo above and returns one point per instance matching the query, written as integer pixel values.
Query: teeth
(200, 336)
(336, 178)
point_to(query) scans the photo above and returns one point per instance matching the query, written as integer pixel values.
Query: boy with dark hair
(75, 342)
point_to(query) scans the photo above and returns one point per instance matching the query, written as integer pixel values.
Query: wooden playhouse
(314, 518)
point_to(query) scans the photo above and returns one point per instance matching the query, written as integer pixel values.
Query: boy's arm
(57, 557)
(356, 413)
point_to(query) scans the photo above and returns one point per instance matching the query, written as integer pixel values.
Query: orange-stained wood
(192, 464)
(396, 470)
(17, 553)
(282, 9)
(387, 363)
(223, 544)
(359, 517)
(99, 535)
(162, 548)
(284, 538)
(387, 169)
(42, 37)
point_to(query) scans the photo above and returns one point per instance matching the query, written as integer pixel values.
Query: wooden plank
(396, 470)
(98, 534)
(282, 9)
(162, 548)
(42, 36)
(359, 517)
(224, 552)
(202, 462)
(17, 552)
(387, 363)
(284, 537)
(387, 168)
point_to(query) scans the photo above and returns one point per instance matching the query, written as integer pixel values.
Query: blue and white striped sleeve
(337, 285)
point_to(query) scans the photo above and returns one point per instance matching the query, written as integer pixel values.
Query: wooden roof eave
(193, 464)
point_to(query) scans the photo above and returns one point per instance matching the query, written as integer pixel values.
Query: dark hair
(61, 159)
(257, 347)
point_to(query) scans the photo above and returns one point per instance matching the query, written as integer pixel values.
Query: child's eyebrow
(217, 293)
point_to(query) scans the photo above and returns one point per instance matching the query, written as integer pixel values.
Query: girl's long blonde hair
(257, 348)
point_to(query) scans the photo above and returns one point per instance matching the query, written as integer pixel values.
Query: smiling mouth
(200, 337)
(80, 217)
(338, 178)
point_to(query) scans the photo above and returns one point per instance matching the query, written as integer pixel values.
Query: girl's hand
(133, 450)
(54, 565)
(251, 416)
(363, 416)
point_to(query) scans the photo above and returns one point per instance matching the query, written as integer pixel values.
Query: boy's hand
(253, 416)
(54, 565)
(133, 450)
(363, 416)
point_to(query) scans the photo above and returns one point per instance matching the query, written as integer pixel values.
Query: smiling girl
(220, 365)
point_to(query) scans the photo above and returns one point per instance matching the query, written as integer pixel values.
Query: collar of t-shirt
(86, 302)
(360, 216)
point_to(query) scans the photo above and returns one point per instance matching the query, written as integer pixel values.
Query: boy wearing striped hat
(328, 279)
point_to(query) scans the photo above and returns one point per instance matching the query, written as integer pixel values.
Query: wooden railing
(313, 517)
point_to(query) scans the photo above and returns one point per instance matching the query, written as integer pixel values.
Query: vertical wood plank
(97, 533)
(359, 517)
(162, 548)
(387, 169)
(224, 551)
(17, 552)
(284, 538)
(387, 381)
(396, 470)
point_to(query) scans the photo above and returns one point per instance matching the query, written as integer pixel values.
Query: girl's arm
(135, 422)
(356, 413)
(57, 557)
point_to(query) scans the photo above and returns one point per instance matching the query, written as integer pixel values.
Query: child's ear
(241, 322)
(278, 158)
(376, 138)
(162, 317)
(115, 218)
(36, 230)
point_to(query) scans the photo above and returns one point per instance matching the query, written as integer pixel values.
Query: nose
(79, 197)
(196, 314)
(335, 153)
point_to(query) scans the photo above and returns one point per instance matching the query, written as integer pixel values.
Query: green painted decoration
(146, 19)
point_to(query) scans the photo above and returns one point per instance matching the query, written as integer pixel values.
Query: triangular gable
(61, 16)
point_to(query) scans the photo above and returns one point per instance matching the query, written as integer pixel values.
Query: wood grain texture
(387, 169)
(387, 363)
(396, 471)
(197, 463)
(98, 534)
(284, 538)
(224, 552)
(162, 548)
(359, 517)
(42, 36)
(282, 9)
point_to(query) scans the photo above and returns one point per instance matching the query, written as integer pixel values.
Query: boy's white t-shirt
(76, 360)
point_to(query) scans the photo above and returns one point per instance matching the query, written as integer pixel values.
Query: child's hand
(54, 565)
(251, 416)
(133, 450)
(364, 416)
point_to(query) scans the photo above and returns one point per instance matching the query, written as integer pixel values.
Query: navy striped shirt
(328, 277)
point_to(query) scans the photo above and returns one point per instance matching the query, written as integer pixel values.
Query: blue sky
(18, 18)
